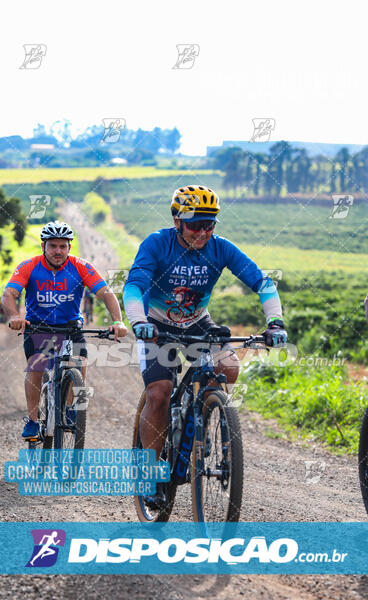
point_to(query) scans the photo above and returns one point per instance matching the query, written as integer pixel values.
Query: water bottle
(176, 424)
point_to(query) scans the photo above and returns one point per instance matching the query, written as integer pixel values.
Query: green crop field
(288, 225)
(121, 192)
(16, 176)
(293, 259)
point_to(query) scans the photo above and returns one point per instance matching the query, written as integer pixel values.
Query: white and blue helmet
(55, 229)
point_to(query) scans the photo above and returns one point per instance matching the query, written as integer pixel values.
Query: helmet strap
(180, 234)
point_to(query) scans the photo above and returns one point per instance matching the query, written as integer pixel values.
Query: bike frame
(196, 380)
(56, 365)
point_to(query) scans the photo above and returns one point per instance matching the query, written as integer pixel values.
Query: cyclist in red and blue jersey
(168, 290)
(54, 282)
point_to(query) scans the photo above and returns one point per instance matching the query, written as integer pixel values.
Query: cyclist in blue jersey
(169, 288)
(54, 283)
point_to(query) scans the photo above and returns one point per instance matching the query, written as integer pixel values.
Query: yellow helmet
(195, 202)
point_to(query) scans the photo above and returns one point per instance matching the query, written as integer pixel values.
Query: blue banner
(172, 548)
(90, 472)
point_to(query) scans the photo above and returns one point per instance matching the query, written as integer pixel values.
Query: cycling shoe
(156, 501)
(31, 429)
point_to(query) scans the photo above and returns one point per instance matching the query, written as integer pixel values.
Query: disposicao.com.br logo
(196, 550)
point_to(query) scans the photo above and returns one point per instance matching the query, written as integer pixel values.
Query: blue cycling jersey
(173, 284)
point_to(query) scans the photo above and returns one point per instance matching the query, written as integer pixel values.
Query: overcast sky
(302, 63)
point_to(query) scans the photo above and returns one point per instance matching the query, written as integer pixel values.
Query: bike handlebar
(210, 339)
(101, 333)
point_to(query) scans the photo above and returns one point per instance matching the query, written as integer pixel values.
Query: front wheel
(217, 489)
(363, 459)
(43, 412)
(73, 412)
(145, 514)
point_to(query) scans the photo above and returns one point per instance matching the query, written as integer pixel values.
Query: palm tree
(259, 160)
(342, 158)
(279, 154)
(360, 169)
(233, 174)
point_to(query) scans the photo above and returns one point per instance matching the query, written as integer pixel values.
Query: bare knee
(158, 395)
(229, 365)
(34, 377)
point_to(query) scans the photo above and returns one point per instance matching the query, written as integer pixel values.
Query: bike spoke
(216, 497)
(217, 488)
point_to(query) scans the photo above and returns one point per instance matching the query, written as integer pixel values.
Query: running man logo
(46, 547)
(314, 470)
(116, 279)
(112, 129)
(341, 206)
(187, 53)
(34, 54)
(262, 130)
(81, 396)
(38, 206)
(237, 394)
(274, 274)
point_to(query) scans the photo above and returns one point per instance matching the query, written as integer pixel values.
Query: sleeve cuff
(15, 285)
(98, 286)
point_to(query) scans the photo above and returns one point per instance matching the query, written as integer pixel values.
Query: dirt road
(283, 482)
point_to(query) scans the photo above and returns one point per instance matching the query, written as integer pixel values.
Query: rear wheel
(363, 459)
(217, 491)
(72, 393)
(144, 513)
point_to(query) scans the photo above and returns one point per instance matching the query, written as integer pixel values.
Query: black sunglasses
(198, 225)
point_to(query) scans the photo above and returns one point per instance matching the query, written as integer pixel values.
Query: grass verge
(314, 404)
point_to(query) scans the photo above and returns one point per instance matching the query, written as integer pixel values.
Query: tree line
(94, 146)
(291, 170)
(60, 134)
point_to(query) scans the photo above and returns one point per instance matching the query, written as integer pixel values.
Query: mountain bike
(363, 459)
(204, 442)
(62, 411)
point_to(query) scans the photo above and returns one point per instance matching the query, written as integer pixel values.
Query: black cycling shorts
(159, 360)
(37, 347)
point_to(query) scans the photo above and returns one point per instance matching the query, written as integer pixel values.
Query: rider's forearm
(112, 305)
(271, 304)
(133, 304)
(8, 301)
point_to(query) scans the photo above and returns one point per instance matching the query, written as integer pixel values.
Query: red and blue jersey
(55, 298)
